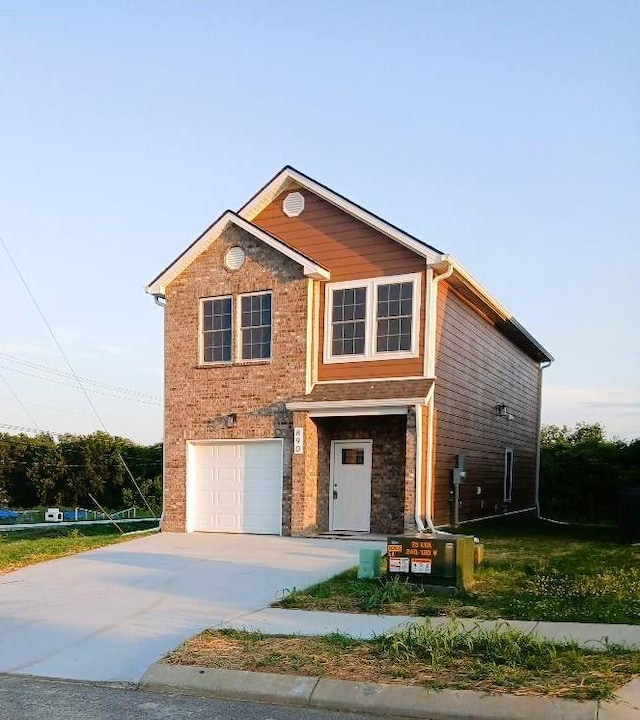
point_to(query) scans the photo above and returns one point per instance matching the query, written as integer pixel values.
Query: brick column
(304, 478)
(410, 473)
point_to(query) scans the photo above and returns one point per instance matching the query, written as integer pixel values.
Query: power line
(93, 390)
(64, 410)
(18, 400)
(71, 368)
(88, 381)
(26, 430)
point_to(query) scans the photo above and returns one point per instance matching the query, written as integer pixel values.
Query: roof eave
(501, 316)
(159, 284)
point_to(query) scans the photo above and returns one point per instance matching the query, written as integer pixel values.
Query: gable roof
(310, 268)
(289, 176)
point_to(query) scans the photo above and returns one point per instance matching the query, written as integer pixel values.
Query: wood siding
(478, 368)
(350, 250)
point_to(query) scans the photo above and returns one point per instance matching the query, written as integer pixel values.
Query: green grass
(20, 548)
(532, 571)
(498, 660)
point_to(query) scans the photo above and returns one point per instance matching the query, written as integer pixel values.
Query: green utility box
(439, 560)
(369, 565)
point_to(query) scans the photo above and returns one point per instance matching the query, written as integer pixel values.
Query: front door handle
(335, 494)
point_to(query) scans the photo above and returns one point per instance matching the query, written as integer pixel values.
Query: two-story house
(326, 372)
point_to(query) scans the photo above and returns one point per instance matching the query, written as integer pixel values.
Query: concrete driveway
(109, 613)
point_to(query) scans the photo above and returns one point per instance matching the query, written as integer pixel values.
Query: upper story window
(348, 320)
(395, 317)
(224, 339)
(255, 326)
(374, 319)
(216, 330)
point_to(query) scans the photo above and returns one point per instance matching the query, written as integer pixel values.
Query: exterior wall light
(230, 420)
(502, 410)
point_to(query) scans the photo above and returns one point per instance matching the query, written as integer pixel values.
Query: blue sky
(504, 133)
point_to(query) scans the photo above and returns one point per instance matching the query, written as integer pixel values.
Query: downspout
(419, 435)
(544, 366)
(418, 498)
(433, 305)
(158, 301)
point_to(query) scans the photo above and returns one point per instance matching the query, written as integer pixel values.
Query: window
(352, 456)
(255, 326)
(395, 310)
(216, 330)
(508, 475)
(373, 319)
(348, 316)
(248, 337)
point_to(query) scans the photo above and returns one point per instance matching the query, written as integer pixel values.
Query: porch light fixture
(230, 420)
(502, 410)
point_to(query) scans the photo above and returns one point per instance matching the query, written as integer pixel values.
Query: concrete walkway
(303, 622)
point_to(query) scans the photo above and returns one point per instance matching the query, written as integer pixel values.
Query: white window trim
(507, 482)
(238, 330)
(201, 331)
(371, 285)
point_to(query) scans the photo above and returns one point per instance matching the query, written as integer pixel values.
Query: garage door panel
(237, 486)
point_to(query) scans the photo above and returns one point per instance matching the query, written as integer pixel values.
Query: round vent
(234, 259)
(293, 204)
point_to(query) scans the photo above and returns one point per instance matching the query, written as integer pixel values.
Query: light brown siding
(350, 250)
(478, 368)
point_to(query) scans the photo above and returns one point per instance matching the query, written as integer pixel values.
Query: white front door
(350, 498)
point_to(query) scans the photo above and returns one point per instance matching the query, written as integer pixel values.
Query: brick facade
(393, 468)
(199, 397)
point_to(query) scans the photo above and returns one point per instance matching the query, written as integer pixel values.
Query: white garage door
(236, 487)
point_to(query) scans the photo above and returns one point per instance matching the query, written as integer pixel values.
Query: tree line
(582, 473)
(79, 471)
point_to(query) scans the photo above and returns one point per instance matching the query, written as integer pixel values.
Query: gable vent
(234, 259)
(293, 204)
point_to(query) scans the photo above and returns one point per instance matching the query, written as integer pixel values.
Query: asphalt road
(27, 698)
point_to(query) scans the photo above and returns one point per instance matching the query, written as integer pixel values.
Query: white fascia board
(366, 412)
(328, 405)
(310, 269)
(479, 289)
(270, 191)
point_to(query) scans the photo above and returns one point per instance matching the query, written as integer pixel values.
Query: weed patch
(495, 660)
